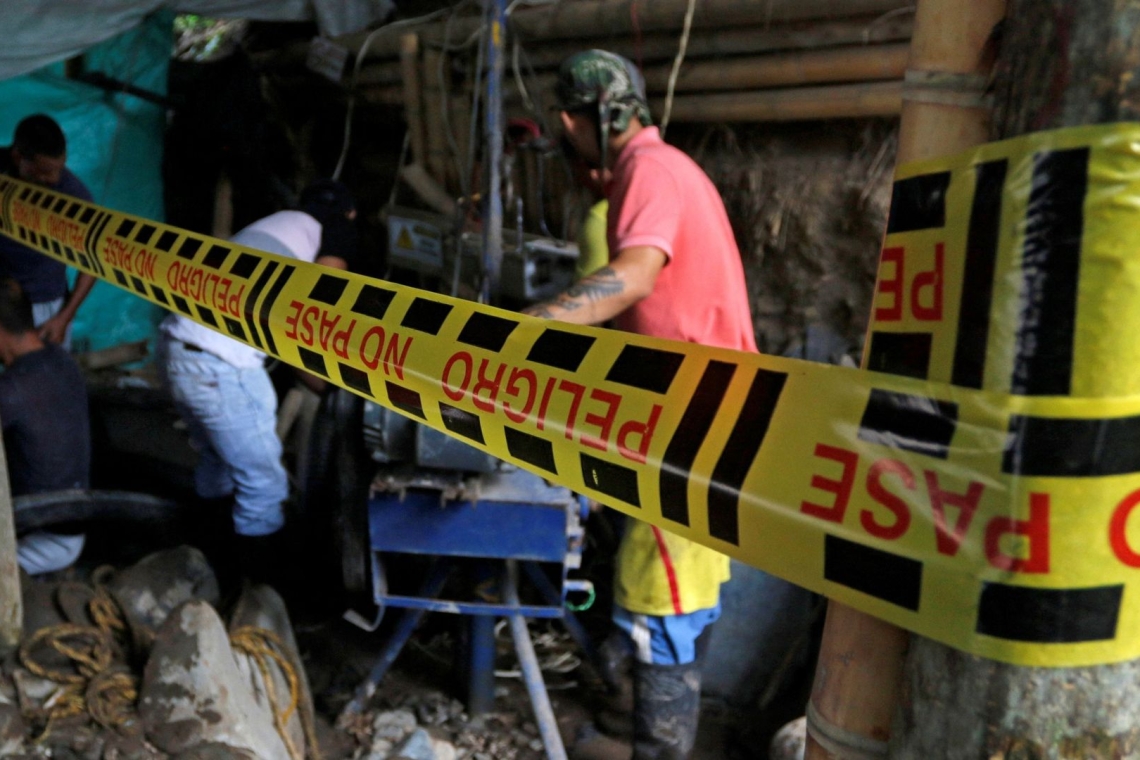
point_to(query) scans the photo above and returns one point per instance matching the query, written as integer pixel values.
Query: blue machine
(434, 496)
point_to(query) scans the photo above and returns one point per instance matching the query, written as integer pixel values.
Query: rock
(12, 730)
(151, 588)
(381, 749)
(790, 742)
(444, 750)
(39, 604)
(262, 607)
(418, 746)
(214, 751)
(194, 693)
(393, 725)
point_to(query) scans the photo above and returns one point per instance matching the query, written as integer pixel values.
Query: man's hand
(607, 292)
(55, 329)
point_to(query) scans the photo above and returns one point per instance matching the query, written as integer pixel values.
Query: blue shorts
(664, 639)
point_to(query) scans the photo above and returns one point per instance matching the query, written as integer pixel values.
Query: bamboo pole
(413, 95)
(11, 601)
(798, 104)
(1063, 63)
(859, 671)
(598, 18)
(436, 144)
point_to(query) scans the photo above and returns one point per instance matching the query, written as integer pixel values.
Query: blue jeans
(664, 639)
(231, 414)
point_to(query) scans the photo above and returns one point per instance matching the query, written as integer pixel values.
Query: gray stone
(790, 742)
(418, 746)
(12, 730)
(193, 691)
(214, 751)
(393, 725)
(151, 588)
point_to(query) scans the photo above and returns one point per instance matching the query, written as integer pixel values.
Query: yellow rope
(111, 697)
(263, 647)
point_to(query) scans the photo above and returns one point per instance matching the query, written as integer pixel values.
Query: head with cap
(602, 98)
(331, 203)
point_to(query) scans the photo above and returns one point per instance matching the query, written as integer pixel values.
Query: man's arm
(607, 292)
(55, 328)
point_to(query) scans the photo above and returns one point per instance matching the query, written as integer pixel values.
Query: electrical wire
(677, 65)
(360, 56)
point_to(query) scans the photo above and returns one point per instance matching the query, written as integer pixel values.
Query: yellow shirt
(659, 573)
(593, 250)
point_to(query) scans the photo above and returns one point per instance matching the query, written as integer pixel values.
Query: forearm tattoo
(602, 284)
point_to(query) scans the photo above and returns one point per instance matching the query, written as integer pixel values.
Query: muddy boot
(667, 704)
(263, 559)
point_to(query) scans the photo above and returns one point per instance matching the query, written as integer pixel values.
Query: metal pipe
(493, 213)
(11, 601)
(532, 673)
(481, 665)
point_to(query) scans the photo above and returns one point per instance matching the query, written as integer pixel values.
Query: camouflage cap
(608, 80)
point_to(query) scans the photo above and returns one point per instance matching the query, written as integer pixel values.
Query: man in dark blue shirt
(38, 154)
(43, 412)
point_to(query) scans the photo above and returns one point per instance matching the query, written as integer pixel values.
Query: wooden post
(1062, 63)
(413, 95)
(11, 602)
(861, 659)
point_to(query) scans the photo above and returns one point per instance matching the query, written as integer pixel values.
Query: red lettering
(1035, 530)
(892, 502)
(892, 287)
(484, 383)
(172, 275)
(222, 294)
(373, 332)
(340, 340)
(545, 403)
(603, 422)
(576, 392)
(932, 280)
(948, 541)
(468, 365)
(327, 328)
(291, 321)
(29, 216)
(307, 328)
(513, 390)
(643, 431)
(392, 359)
(235, 301)
(1117, 535)
(849, 460)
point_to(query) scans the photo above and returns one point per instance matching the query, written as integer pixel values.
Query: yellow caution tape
(987, 501)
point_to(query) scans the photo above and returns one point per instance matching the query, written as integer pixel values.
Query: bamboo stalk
(799, 104)
(11, 601)
(599, 18)
(413, 95)
(859, 672)
(436, 144)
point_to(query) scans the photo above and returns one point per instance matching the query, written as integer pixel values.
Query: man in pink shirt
(674, 272)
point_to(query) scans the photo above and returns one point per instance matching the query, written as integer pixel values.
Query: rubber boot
(262, 559)
(666, 707)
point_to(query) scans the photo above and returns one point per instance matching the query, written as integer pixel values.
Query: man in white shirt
(221, 387)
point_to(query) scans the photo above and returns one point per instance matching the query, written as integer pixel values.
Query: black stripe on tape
(234, 328)
(49, 199)
(27, 191)
(1050, 269)
(45, 242)
(72, 210)
(373, 301)
(487, 331)
(244, 266)
(181, 304)
(206, 315)
(1049, 615)
(145, 233)
(87, 215)
(687, 440)
(1068, 448)
(56, 247)
(120, 277)
(462, 422)
(166, 240)
(89, 236)
(251, 301)
(189, 248)
(978, 276)
(906, 354)
(267, 304)
(159, 295)
(355, 379)
(426, 316)
(140, 287)
(36, 195)
(405, 399)
(313, 361)
(328, 289)
(611, 479)
(59, 206)
(912, 423)
(918, 203)
(99, 229)
(531, 449)
(874, 572)
(83, 262)
(649, 369)
(125, 228)
(743, 445)
(216, 256)
(561, 349)
(69, 253)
